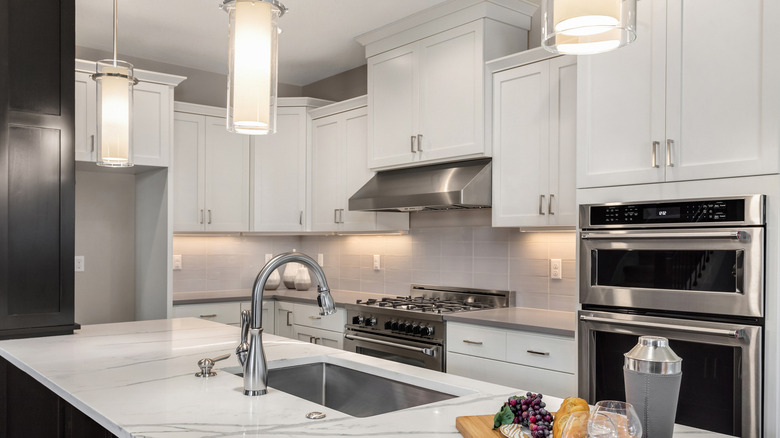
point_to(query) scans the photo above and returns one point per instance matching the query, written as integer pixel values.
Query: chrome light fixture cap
(585, 27)
(282, 8)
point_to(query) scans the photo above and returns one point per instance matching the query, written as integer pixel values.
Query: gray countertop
(514, 318)
(521, 318)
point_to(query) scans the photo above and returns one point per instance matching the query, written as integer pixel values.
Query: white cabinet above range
(152, 115)
(426, 83)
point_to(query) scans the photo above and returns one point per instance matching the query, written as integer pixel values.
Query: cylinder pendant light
(115, 83)
(584, 27)
(252, 65)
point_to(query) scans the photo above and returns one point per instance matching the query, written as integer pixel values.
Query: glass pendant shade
(252, 65)
(584, 27)
(115, 83)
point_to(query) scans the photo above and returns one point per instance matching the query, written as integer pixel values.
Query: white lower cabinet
(317, 336)
(283, 319)
(529, 361)
(321, 330)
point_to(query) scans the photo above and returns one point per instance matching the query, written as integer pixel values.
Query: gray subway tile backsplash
(481, 257)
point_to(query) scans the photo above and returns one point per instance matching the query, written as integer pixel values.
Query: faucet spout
(255, 366)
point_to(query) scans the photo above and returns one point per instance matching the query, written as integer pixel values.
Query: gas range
(411, 329)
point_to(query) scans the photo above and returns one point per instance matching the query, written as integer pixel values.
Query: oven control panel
(681, 212)
(397, 324)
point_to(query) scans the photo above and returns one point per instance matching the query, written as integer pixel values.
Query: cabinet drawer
(309, 316)
(226, 313)
(328, 338)
(552, 383)
(542, 351)
(476, 341)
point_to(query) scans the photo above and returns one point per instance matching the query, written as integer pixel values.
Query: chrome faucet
(250, 351)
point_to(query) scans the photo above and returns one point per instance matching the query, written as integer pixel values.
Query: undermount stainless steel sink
(350, 391)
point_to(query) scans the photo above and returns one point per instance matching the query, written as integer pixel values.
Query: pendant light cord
(115, 25)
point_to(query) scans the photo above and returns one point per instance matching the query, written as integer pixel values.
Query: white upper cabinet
(339, 169)
(534, 142)
(279, 169)
(688, 100)
(152, 115)
(427, 81)
(211, 172)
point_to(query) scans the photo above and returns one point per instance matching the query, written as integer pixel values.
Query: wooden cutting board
(477, 426)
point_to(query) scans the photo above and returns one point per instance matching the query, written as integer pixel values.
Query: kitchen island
(136, 379)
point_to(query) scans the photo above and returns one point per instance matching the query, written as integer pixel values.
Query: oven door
(721, 368)
(716, 271)
(419, 354)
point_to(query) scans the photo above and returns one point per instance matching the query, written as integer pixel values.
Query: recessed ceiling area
(317, 39)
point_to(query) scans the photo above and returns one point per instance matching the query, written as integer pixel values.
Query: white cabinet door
(284, 320)
(279, 174)
(227, 178)
(356, 172)
(521, 135)
(620, 102)
(327, 175)
(152, 112)
(85, 117)
(320, 337)
(189, 171)
(451, 94)
(722, 97)
(563, 142)
(393, 99)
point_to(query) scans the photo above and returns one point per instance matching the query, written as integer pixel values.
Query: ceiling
(317, 39)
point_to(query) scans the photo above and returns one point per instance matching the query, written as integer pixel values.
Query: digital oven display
(660, 213)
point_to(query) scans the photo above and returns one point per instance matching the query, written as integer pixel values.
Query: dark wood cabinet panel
(29, 409)
(37, 167)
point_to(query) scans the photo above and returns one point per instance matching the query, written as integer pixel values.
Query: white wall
(105, 236)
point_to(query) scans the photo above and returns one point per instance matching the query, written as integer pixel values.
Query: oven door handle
(735, 235)
(426, 351)
(736, 334)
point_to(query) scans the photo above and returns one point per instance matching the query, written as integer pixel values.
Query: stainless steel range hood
(459, 185)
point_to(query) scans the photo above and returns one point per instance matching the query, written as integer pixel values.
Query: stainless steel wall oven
(688, 270)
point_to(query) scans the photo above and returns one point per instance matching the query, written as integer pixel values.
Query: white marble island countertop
(137, 379)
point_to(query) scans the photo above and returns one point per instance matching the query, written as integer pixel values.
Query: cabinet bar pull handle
(289, 324)
(209, 217)
(466, 341)
(419, 142)
(311, 339)
(300, 218)
(654, 153)
(414, 137)
(549, 205)
(92, 143)
(669, 144)
(201, 215)
(541, 205)
(335, 215)
(212, 315)
(540, 353)
(314, 317)
(341, 215)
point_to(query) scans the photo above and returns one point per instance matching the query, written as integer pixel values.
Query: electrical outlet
(321, 260)
(376, 262)
(556, 269)
(79, 264)
(177, 262)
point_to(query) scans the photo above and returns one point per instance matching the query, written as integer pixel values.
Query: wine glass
(614, 419)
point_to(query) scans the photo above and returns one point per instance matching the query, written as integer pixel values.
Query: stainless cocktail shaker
(652, 373)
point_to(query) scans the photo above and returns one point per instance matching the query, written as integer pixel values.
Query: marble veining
(137, 380)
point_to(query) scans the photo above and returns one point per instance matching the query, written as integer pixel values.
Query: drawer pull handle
(466, 341)
(314, 317)
(539, 353)
(211, 315)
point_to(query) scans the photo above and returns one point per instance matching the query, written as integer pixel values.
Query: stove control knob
(426, 331)
(370, 321)
(357, 320)
(389, 325)
(410, 328)
(417, 329)
(394, 326)
(402, 326)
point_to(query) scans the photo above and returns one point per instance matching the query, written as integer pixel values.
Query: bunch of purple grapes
(530, 412)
